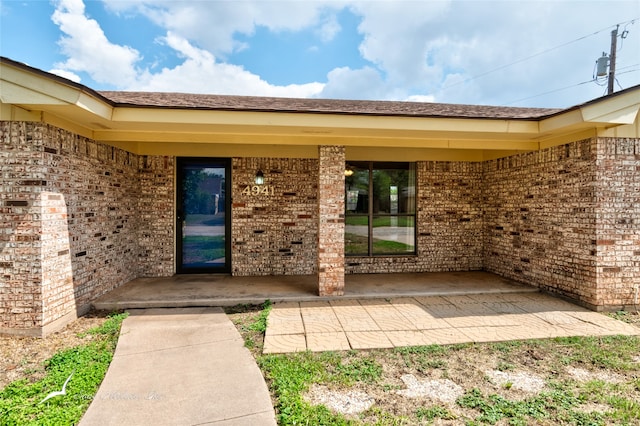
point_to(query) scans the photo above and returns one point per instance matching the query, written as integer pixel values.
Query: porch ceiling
(29, 94)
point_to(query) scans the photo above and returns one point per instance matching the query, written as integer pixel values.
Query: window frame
(371, 216)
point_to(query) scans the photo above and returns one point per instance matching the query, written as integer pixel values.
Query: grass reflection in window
(384, 223)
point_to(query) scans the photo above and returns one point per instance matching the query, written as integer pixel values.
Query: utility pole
(612, 60)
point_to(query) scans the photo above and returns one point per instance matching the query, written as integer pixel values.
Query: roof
(154, 123)
(325, 106)
(301, 105)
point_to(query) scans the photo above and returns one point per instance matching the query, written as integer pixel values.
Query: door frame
(181, 162)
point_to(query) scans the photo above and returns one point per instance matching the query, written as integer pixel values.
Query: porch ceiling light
(348, 172)
(259, 177)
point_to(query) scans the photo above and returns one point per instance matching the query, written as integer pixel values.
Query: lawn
(563, 381)
(79, 370)
(566, 381)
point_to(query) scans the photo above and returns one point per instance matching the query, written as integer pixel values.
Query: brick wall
(617, 240)
(98, 185)
(540, 217)
(275, 233)
(23, 175)
(449, 222)
(71, 223)
(79, 218)
(156, 211)
(331, 220)
(567, 219)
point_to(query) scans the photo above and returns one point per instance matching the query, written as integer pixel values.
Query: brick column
(331, 220)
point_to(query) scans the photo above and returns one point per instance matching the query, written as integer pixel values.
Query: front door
(203, 228)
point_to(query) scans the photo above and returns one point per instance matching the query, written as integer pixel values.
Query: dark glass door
(203, 215)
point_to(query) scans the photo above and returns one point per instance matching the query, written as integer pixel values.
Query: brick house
(99, 188)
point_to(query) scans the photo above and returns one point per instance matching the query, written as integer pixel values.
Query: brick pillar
(331, 220)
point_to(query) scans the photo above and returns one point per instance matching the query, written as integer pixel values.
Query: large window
(380, 201)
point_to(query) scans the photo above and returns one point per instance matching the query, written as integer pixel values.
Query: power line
(535, 55)
(628, 66)
(549, 92)
(627, 72)
(571, 86)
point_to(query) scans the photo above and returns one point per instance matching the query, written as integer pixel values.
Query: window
(380, 202)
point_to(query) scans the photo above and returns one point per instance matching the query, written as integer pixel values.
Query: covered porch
(191, 290)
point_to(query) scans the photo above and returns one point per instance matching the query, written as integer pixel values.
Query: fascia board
(95, 106)
(626, 115)
(608, 112)
(562, 121)
(317, 122)
(27, 86)
(21, 88)
(621, 109)
(11, 93)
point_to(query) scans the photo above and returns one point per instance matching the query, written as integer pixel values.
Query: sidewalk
(181, 367)
(415, 321)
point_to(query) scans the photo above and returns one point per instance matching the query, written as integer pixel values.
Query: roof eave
(611, 111)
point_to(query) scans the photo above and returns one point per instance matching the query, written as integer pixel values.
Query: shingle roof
(322, 106)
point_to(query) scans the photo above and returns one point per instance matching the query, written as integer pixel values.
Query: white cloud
(214, 25)
(200, 73)
(445, 51)
(433, 43)
(66, 74)
(345, 83)
(421, 98)
(397, 36)
(89, 50)
(329, 28)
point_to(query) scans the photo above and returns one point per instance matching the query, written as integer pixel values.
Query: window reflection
(380, 202)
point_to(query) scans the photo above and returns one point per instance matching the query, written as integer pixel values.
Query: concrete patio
(378, 310)
(181, 291)
(415, 321)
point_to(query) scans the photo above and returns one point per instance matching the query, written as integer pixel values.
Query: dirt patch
(408, 386)
(443, 390)
(582, 375)
(517, 380)
(344, 402)
(23, 357)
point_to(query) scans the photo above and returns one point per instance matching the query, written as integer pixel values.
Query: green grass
(610, 352)
(356, 244)
(563, 400)
(84, 366)
(424, 358)
(251, 327)
(432, 413)
(400, 221)
(291, 375)
(201, 249)
(260, 325)
(205, 219)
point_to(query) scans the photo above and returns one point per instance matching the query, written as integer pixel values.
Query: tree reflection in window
(380, 202)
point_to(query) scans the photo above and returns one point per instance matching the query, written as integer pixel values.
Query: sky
(508, 53)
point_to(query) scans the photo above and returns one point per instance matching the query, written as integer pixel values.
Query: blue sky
(518, 53)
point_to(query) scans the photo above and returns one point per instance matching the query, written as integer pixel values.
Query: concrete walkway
(181, 367)
(414, 321)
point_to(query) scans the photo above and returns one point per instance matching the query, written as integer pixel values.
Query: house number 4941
(257, 190)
